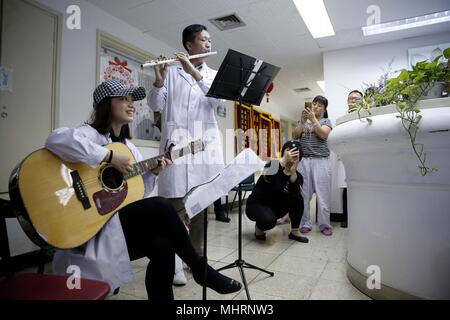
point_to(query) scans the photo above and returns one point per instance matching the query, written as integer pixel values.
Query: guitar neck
(152, 163)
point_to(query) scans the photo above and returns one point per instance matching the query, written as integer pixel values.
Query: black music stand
(244, 79)
(205, 239)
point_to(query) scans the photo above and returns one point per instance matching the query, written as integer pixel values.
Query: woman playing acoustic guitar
(146, 228)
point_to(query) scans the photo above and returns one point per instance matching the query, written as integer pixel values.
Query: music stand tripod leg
(244, 280)
(250, 266)
(205, 238)
(240, 263)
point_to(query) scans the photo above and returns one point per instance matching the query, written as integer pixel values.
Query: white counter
(398, 219)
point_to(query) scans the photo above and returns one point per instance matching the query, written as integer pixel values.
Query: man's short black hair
(190, 31)
(322, 100)
(357, 91)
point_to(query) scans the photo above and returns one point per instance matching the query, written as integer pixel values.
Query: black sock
(214, 279)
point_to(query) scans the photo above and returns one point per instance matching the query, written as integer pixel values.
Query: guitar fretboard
(152, 163)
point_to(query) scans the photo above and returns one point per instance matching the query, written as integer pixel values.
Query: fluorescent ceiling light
(316, 18)
(321, 84)
(421, 21)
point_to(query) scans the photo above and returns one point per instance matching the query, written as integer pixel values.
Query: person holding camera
(312, 131)
(278, 192)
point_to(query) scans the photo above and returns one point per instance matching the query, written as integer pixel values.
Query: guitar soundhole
(112, 179)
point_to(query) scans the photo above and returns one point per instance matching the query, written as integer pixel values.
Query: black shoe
(215, 280)
(220, 216)
(260, 237)
(297, 238)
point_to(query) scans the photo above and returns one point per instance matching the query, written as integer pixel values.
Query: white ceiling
(274, 32)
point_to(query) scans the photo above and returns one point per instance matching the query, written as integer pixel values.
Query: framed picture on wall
(119, 60)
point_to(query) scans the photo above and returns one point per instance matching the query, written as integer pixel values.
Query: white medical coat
(188, 115)
(104, 257)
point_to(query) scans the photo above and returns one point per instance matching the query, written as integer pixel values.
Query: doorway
(29, 56)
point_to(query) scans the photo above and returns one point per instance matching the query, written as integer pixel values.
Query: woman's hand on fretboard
(163, 163)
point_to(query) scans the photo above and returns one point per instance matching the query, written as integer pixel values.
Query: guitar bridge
(80, 191)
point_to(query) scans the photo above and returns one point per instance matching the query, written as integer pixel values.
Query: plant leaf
(447, 53)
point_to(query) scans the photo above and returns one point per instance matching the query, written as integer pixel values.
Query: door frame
(57, 37)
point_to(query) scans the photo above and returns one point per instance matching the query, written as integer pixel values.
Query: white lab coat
(188, 115)
(104, 257)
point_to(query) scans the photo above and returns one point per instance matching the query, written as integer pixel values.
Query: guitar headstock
(192, 148)
(168, 151)
(197, 146)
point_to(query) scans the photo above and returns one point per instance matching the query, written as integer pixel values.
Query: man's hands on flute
(188, 67)
(160, 72)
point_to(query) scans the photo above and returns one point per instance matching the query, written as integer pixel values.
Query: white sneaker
(179, 279)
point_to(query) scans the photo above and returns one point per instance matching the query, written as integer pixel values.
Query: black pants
(153, 229)
(344, 206)
(266, 216)
(218, 205)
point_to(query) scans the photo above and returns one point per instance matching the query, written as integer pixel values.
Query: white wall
(348, 69)
(78, 56)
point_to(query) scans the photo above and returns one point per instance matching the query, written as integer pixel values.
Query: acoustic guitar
(63, 205)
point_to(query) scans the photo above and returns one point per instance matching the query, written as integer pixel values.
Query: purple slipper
(327, 231)
(305, 230)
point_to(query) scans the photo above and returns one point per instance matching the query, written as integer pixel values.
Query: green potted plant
(426, 80)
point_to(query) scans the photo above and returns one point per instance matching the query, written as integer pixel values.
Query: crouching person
(278, 192)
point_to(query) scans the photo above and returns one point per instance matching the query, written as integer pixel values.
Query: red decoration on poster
(118, 70)
(123, 63)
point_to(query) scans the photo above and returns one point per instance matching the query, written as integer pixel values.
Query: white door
(29, 48)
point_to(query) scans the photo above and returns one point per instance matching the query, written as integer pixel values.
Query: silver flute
(153, 63)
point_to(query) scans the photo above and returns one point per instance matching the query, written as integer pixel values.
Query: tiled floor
(302, 271)
(315, 270)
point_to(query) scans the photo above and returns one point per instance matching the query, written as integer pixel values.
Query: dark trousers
(153, 229)
(217, 205)
(266, 216)
(344, 207)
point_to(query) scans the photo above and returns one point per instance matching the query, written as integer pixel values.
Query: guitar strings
(176, 154)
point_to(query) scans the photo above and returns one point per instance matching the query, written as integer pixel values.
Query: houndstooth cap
(115, 88)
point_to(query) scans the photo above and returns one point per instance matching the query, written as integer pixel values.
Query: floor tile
(336, 290)
(285, 285)
(309, 267)
(335, 271)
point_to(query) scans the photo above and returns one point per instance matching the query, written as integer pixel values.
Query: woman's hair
(190, 31)
(101, 119)
(323, 101)
(291, 144)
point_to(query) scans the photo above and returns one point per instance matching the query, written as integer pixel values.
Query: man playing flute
(180, 91)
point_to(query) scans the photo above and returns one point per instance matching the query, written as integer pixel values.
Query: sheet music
(257, 65)
(200, 197)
